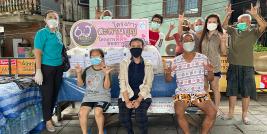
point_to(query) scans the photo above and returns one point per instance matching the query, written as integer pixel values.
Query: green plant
(259, 48)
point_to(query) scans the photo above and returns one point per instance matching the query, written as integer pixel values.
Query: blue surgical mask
(155, 25)
(242, 26)
(106, 17)
(198, 28)
(95, 60)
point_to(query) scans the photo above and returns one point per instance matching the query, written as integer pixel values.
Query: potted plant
(260, 59)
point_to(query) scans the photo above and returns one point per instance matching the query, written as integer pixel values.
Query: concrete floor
(166, 124)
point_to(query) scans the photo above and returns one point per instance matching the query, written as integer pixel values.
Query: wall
(14, 31)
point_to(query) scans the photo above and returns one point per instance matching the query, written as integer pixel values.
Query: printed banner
(108, 33)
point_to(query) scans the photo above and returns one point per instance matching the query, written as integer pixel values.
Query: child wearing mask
(96, 78)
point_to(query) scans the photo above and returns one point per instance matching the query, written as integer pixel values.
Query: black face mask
(186, 28)
(136, 52)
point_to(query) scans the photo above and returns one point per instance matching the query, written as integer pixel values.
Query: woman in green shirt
(48, 54)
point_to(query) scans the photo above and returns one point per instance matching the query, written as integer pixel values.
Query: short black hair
(49, 11)
(99, 50)
(158, 16)
(136, 39)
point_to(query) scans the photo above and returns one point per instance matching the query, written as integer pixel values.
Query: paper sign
(108, 33)
(4, 67)
(77, 59)
(23, 66)
(114, 56)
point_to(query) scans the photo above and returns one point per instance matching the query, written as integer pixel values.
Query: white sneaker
(50, 127)
(57, 124)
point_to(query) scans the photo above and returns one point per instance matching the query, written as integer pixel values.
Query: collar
(48, 29)
(142, 60)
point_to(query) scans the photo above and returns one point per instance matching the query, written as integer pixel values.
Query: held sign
(108, 33)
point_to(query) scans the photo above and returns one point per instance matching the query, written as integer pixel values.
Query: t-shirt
(136, 74)
(190, 76)
(94, 82)
(241, 46)
(153, 37)
(50, 43)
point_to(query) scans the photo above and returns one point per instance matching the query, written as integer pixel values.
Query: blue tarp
(71, 92)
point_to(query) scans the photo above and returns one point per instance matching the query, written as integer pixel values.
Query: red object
(264, 80)
(153, 37)
(179, 48)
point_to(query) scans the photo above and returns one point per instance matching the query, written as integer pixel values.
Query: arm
(80, 82)
(145, 88)
(262, 23)
(38, 58)
(107, 82)
(122, 82)
(223, 46)
(167, 73)
(228, 16)
(168, 37)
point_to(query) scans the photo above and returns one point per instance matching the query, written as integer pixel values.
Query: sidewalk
(166, 124)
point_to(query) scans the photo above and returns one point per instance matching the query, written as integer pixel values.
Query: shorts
(102, 104)
(241, 81)
(218, 74)
(191, 99)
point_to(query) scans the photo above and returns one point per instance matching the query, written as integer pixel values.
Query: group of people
(196, 68)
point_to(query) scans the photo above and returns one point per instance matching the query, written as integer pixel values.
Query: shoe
(50, 127)
(246, 121)
(57, 124)
(227, 117)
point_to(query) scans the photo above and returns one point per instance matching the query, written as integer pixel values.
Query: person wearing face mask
(96, 79)
(198, 28)
(48, 47)
(136, 77)
(156, 38)
(240, 75)
(104, 15)
(213, 45)
(184, 26)
(191, 68)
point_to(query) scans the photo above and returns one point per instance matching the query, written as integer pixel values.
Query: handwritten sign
(114, 56)
(108, 33)
(4, 67)
(25, 66)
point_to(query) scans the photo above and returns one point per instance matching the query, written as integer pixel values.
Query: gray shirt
(95, 91)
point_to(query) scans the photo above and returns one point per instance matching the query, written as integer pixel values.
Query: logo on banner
(84, 34)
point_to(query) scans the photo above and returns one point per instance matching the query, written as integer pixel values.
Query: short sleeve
(230, 30)
(39, 41)
(177, 37)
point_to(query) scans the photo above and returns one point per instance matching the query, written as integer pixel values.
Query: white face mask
(106, 17)
(52, 23)
(189, 46)
(212, 26)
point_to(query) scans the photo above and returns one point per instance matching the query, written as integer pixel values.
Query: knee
(212, 112)
(83, 112)
(98, 112)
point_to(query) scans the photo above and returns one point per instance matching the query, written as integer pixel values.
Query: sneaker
(57, 124)
(246, 121)
(50, 127)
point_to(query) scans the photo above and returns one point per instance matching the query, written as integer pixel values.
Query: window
(171, 8)
(121, 9)
(191, 8)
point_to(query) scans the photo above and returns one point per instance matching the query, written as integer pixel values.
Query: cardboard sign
(108, 33)
(4, 67)
(25, 66)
